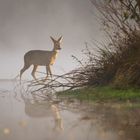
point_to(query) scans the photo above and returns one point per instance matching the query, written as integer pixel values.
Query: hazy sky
(27, 25)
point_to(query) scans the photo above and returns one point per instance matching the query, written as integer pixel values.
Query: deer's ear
(60, 39)
(52, 39)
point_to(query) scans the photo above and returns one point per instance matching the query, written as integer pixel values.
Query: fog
(27, 25)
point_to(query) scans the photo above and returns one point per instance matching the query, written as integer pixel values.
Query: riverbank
(106, 94)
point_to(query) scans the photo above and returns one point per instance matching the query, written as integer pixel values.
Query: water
(25, 116)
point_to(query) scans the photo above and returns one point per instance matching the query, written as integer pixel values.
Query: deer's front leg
(33, 71)
(47, 71)
(50, 72)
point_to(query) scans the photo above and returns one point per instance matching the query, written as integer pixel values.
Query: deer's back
(38, 57)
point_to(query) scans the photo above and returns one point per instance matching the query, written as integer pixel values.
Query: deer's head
(57, 43)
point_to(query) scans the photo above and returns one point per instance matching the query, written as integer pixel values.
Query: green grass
(103, 94)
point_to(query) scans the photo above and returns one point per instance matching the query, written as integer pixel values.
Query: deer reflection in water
(37, 108)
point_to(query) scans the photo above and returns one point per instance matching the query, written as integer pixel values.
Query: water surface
(26, 116)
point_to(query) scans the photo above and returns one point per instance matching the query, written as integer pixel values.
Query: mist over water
(27, 113)
(42, 116)
(27, 24)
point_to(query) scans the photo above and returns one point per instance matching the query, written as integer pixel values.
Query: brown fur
(41, 58)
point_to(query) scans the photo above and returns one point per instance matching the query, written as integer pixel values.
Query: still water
(26, 116)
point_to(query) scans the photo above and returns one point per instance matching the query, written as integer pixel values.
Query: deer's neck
(54, 55)
(54, 52)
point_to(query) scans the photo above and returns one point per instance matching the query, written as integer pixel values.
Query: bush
(119, 66)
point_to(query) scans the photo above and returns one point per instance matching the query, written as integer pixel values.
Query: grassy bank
(103, 94)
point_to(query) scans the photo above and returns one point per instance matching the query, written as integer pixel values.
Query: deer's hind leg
(33, 71)
(23, 69)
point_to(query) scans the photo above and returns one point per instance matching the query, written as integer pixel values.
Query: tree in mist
(120, 57)
(119, 15)
(132, 9)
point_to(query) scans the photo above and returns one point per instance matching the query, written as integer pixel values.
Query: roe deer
(41, 58)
